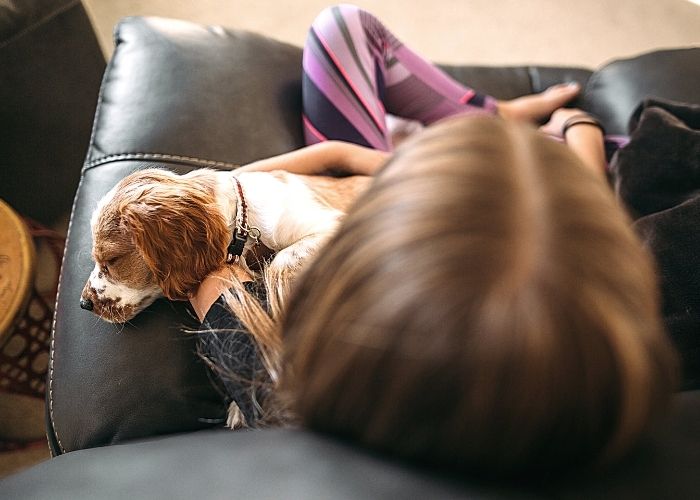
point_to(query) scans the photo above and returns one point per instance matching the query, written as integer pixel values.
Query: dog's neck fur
(227, 197)
(280, 206)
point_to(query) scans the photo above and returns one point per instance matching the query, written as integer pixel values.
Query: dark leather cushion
(509, 82)
(616, 89)
(297, 464)
(201, 95)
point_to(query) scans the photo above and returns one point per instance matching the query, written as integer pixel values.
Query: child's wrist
(580, 120)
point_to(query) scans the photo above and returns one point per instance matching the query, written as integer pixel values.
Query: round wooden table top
(17, 257)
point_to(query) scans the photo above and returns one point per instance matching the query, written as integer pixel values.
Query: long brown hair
(485, 304)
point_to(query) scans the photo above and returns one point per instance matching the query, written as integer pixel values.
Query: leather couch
(50, 71)
(187, 96)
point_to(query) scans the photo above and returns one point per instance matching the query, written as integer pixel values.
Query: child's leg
(355, 71)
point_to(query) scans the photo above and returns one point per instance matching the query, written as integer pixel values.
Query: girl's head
(486, 305)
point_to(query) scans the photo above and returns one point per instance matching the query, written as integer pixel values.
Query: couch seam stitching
(530, 78)
(53, 325)
(157, 156)
(591, 82)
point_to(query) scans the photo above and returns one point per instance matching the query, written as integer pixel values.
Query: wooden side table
(25, 329)
(21, 368)
(25, 314)
(17, 257)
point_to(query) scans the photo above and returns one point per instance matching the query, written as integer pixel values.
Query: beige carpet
(569, 32)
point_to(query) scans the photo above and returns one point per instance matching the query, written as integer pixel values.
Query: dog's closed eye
(106, 266)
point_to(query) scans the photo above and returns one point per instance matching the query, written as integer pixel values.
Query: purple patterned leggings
(356, 71)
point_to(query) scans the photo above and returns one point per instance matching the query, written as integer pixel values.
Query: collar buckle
(242, 230)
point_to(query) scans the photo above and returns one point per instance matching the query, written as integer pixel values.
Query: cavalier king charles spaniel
(157, 233)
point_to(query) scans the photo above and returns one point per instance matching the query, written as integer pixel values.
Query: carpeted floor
(568, 32)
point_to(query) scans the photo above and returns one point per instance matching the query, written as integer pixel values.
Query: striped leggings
(356, 71)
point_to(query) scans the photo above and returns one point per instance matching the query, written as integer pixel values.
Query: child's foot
(537, 107)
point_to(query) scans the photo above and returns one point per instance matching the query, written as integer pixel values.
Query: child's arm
(324, 157)
(585, 139)
(587, 142)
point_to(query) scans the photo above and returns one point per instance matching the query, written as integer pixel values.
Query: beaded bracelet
(579, 120)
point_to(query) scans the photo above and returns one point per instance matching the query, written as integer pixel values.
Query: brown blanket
(657, 175)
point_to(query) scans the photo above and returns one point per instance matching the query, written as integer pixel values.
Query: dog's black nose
(86, 304)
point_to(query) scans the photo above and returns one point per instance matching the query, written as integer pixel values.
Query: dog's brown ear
(180, 232)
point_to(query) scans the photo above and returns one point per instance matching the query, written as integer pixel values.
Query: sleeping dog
(157, 233)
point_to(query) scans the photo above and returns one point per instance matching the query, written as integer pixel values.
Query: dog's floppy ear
(179, 230)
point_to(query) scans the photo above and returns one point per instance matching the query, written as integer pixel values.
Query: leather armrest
(286, 463)
(200, 95)
(615, 90)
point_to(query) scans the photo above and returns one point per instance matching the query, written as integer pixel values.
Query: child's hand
(322, 158)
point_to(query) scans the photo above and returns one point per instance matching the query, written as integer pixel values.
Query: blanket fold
(657, 176)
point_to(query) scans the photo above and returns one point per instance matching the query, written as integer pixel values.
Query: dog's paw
(282, 269)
